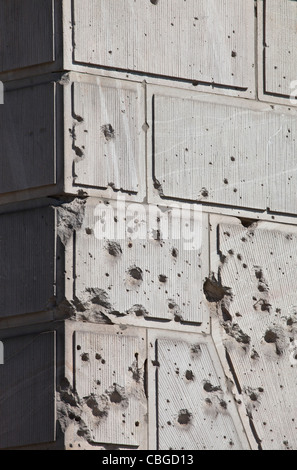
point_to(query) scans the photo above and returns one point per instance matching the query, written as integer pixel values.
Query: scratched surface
(206, 41)
(258, 318)
(195, 411)
(109, 381)
(223, 151)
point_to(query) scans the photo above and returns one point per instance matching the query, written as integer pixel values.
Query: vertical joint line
(147, 182)
(256, 48)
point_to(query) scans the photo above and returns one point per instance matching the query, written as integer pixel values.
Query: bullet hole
(239, 257)
(178, 318)
(204, 192)
(138, 310)
(108, 132)
(78, 347)
(78, 118)
(264, 305)
(196, 349)
(78, 151)
(214, 291)
(232, 159)
(226, 181)
(156, 363)
(130, 245)
(223, 404)
(233, 54)
(89, 231)
(163, 278)
(270, 336)
(154, 2)
(231, 252)
(254, 355)
(115, 397)
(253, 396)
(137, 424)
(189, 375)
(91, 402)
(209, 388)
(114, 249)
(136, 273)
(184, 417)
(98, 357)
(85, 357)
(158, 187)
(174, 252)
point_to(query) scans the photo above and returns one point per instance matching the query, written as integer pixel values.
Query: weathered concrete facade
(148, 224)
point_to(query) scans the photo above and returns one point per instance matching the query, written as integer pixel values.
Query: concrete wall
(147, 224)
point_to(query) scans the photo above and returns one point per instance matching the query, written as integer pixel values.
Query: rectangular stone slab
(109, 380)
(195, 411)
(223, 151)
(202, 41)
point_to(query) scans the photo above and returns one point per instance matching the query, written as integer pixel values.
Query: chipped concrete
(259, 334)
(133, 315)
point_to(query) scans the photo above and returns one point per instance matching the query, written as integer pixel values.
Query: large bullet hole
(138, 310)
(196, 349)
(214, 291)
(85, 357)
(174, 252)
(114, 249)
(108, 131)
(163, 278)
(189, 375)
(154, 2)
(204, 192)
(270, 336)
(136, 273)
(247, 222)
(208, 387)
(184, 417)
(91, 402)
(115, 397)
